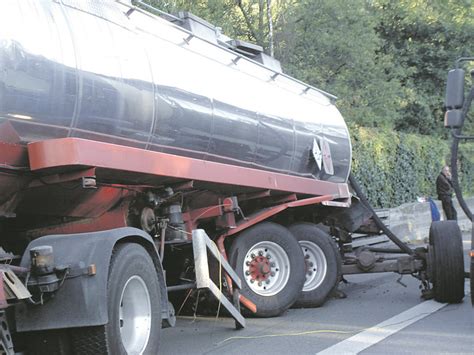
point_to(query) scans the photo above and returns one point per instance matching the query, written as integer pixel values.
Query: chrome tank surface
(82, 68)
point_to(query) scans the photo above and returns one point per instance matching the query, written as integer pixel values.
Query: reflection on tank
(160, 107)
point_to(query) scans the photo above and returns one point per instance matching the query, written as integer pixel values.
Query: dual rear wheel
(280, 267)
(322, 264)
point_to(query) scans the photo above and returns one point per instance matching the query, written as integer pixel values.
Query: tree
(333, 45)
(425, 38)
(259, 13)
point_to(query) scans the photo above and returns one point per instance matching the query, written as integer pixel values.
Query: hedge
(394, 168)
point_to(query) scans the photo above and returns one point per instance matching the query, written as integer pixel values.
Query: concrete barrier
(411, 221)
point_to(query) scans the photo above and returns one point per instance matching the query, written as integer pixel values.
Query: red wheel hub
(260, 268)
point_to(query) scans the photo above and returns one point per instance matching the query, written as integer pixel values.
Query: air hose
(405, 248)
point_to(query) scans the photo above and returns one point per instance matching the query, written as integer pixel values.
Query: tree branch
(270, 28)
(247, 20)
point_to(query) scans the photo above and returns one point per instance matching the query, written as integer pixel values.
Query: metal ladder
(201, 245)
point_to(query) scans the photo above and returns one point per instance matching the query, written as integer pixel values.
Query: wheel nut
(260, 283)
(269, 256)
(267, 282)
(272, 264)
(306, 256)
(311, 264)
(252, 281)
(252, 255)
(247, 263)
(260, 253)
(310, 273)
(247, 273)
(272, 274)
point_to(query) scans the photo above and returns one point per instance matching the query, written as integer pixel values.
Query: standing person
(444, 188)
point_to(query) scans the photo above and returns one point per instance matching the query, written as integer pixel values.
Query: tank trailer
(144, 155)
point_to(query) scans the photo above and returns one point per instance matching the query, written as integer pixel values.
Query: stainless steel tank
(83, 68)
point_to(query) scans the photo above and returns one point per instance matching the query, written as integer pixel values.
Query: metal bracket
(201, 244)
(274, 76)
(236, 59)
(89, 182)
(188, 39)
(14, 287)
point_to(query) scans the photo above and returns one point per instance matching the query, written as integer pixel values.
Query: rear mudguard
(82, 301)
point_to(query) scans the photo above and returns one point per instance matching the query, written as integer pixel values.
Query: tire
(472, 268)
(323, 264)
(133, 291)
(447, 264)
(472, 279)
(270, 255)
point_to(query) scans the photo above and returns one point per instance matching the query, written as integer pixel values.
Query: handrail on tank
(161, 12)
(275, 73)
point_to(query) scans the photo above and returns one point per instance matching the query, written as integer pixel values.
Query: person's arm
(443, 185)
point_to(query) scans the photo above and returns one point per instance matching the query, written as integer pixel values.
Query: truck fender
(82, 301)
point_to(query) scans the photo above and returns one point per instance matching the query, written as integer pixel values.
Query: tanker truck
(144, 154)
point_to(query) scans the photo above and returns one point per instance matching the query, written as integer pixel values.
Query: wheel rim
(135, 315)
(316, 265)
(266, 268)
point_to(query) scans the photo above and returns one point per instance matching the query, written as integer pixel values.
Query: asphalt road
(379, 315)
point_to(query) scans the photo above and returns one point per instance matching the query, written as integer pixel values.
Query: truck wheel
(134, 308)
(270, 264)
(447, 264)
(323, 264)
(472, 271)
(472, 267)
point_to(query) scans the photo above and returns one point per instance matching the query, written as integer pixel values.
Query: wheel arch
(82, 301)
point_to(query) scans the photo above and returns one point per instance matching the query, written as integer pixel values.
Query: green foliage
(466, 171)
(373, 163)
(426, 37)
(394, 168)
(333, 44)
